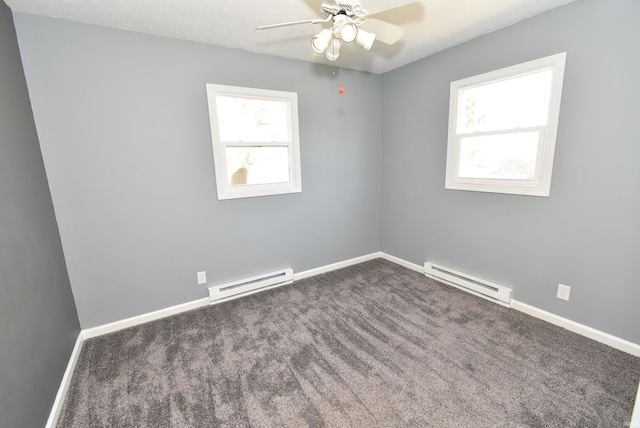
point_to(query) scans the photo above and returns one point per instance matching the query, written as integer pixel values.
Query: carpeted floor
(372, 345)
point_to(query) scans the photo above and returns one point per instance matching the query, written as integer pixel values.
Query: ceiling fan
(350, 22)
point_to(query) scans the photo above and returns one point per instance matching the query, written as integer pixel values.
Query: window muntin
(255, 141)
(502, 129)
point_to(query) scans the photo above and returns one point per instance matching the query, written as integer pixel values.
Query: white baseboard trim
(162, 313)
(635, 417)
(591, 333)
(600, 336)
(173, 310)
(608, 339)
(402, 262)
(334, 266)
(141, 319)
(64, 384)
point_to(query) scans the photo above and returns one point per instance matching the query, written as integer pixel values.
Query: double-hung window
(256, 146)
(502, 128)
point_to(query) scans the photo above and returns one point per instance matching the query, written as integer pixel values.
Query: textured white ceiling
(431, 25)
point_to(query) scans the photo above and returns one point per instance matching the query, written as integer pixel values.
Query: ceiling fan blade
(371, 7)
(284, 24)
(385, 32)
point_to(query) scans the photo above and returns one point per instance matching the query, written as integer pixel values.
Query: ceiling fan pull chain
(340, 88)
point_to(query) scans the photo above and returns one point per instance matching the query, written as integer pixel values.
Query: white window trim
(224, 188)
(541, 184)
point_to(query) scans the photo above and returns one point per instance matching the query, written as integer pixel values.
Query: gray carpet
(372, 345)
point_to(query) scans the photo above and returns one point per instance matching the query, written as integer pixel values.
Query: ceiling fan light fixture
(365, 39)
(333, 51)
(320, 42)
(346, 19)
(348, 31)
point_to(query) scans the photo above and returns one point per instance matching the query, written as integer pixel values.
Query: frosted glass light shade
(333, 51)
(365, 39)
(320, 41)
(348, 32)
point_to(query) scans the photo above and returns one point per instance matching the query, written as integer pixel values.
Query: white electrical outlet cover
(202, 277)
(563, 292)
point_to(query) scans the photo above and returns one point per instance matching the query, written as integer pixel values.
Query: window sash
(227, 190)
(256, 143)
(277, 100)
(542, 96)
(256, 170)
(540, 183)
(537, 174)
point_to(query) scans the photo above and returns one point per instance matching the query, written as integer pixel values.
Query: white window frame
(224, 188)
(540, 185)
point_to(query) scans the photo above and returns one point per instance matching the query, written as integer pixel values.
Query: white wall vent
(485, 289)
(247, 286)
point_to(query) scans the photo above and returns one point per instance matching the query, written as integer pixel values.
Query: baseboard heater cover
(488, 290)
(250, 285)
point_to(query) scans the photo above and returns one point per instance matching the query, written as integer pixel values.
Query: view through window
(502, 128)
(255, 141)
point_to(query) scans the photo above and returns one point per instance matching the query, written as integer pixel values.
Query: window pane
(503, 156)
(257, 165)
(252, 119)
(507, 104)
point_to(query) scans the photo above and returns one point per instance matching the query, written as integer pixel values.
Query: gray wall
(587, 233)
(123, 125)
(38, 320)
(124, 130)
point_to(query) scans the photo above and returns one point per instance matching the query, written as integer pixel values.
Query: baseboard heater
(488, 290)
(247, 286)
